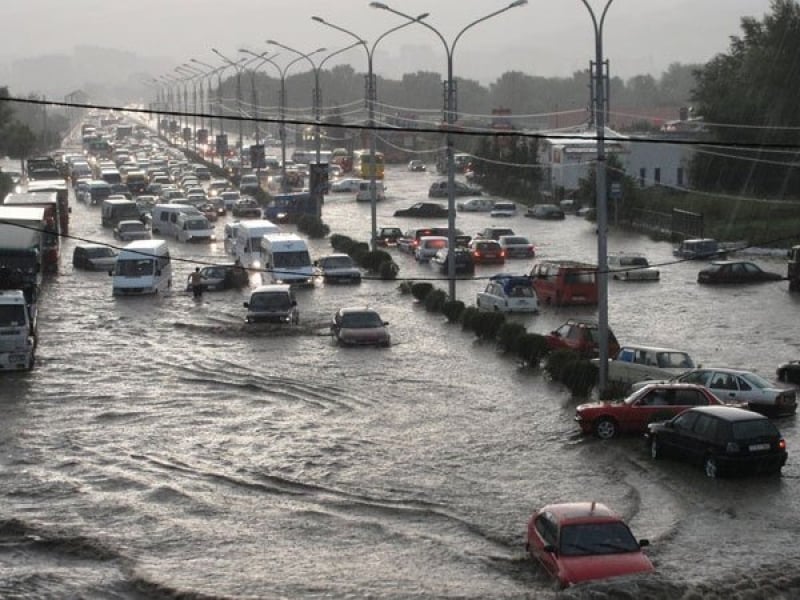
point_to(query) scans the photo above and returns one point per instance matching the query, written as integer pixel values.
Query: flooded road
(162, 449)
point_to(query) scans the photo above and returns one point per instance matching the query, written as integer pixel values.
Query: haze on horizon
(550, 38)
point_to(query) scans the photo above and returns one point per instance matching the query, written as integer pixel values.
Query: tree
(756, 85)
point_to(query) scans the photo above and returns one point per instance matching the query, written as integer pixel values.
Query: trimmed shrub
(388, 270)
(405, 286)
(452, 309)
(468, 316)
(421, 290)
(339, 242)
(509, 334)
(312, 227)
(358, 250)
(372, 260)
(532, 348)
(435, 300)
(557, 362)
(487, 324)
(580, 377)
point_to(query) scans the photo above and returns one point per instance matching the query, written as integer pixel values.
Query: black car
(724, 439)
(735, 271)
(246, 208)
(223, 277)
(423, 209)
(789, 372)
(388, 236)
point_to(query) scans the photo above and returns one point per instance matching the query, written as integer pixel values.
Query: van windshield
(270, 301)
(12, 315)
(134, 267)
(299, 258)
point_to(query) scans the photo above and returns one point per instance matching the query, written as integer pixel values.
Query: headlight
(256, 264)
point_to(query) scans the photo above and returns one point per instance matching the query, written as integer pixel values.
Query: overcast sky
(546, 37)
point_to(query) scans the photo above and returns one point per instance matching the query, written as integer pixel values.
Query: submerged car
(654, 402)
(475, 205)
(723, 439)
(699, 249)
(503, 209)
(584, 541)
(461, 256)
(417, 166)
(359, 327)
(517, 246)
(439, 189)
(388, 236)
(508, 294)
(274, 303)
(128, 230)
(582, 337)
(338, 268)
(736, 271)
(631, 267)
(423, 209)
(487, 252)
(93, 257)
(222, 277)
(545, 211)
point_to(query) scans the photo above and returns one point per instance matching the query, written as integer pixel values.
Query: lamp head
(517, 3)
(426, 15)
(378, 5)
(318, 19)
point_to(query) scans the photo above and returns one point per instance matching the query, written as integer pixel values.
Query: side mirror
(385, 323)
(644, 543)
(551, 549)
(246, 304)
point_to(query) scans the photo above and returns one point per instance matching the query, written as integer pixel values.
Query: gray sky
(546, 37)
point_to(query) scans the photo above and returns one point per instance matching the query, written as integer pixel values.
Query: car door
(676, 436)
(724, 385)
(545, 534)
(655, 405)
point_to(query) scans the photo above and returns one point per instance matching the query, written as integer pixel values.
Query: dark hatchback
(724, 439)
(735, 271)
(423, 209)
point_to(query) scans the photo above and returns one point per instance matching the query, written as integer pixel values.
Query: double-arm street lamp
(239, 68)
(173, 92)
(602, 198)
(192, 75)
(211, 70)
(281, 104)
(371, 99)
(450, 120)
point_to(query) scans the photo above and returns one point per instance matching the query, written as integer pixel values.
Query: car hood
(576, 569)
(103, 262)
(597, 406)
(364, 334)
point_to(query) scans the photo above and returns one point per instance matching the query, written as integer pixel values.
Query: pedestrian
(196, 283)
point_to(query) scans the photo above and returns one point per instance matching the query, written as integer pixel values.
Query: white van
(364, 194)
(248, 241)
(142, 267)
(429, 245)
(194, 228)
(231, 232)
(165, 218)
(285, 259)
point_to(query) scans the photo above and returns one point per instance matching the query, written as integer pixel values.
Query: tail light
(502, 253)
(476, 254)
(782, 444)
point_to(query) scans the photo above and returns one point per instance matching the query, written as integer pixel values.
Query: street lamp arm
(200, 62)
(350, 47)
(482, 19)
(412, 19)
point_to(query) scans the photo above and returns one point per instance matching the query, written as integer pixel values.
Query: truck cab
(17, 332)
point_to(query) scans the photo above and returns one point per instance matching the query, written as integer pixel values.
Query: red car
(580, 336)
(487, 252)
(584, 541)
(653, 402)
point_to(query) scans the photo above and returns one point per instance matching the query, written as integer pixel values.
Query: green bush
(452, 309)
(487, 324)
(435, 300)
(339, 242)
(468, 316)
(509, 334)
(580, 377)
(388, 270)
(372, 260)
(532, 348)
(405, 286)
(358, 251)
(421, 290)
(557, 362)
(312, 227)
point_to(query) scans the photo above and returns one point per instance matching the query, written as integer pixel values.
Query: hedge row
(375, 261)
(566, 366)
(312, 227)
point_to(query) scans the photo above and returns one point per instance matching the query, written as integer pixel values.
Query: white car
(517, 246)
(475, 205)
(130, 229)
(503, 209)
(631, 267)
(338, 268)
(347, 185)
(639, 363)
(508, 293)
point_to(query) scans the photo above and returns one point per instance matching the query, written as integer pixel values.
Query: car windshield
(633, 261)
(361, 320)
(747, 430)
(336, 262)
(99, 252)
(596, 538)
(270, 301)
(12, 315)
(134, 268)
(298, 258)
(197, 224)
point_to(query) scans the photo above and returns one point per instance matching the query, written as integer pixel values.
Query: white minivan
(142, 267)
(285, 259)
(165, 218)
(193, 228)
(248, 241)
(364, 193)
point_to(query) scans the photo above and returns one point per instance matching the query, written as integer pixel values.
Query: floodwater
(161, 448)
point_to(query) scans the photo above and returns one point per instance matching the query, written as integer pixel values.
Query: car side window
(743, 385)
(689, 398)
(547, 529)
(706, 427)
(685, 421)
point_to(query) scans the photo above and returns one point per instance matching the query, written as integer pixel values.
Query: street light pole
(371, 99)
(193, 75)
(211, 70)
(239, 68)
(174, 104)
(602, 199)
(281, 104)
(450, 119)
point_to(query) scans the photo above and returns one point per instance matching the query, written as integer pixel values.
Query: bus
(362, 164)
(309, 157)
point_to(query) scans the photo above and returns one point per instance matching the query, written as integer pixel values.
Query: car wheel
(605, 428)
(711, 468)
(655, 449)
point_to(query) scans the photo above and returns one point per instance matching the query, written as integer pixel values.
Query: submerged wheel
(711, 468)
(605, 428)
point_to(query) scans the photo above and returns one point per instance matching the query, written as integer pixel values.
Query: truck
(22, 242)
(17, 331)
(51, 227)
(59, 186)
(288, 208)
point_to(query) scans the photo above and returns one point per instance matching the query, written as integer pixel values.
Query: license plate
(758, 447)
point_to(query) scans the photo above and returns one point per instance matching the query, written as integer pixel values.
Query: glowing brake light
(782, 444)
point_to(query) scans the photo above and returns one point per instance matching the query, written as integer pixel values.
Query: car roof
(273, 287)
(356, 309)
(651, 348)
(581, 511)
(729, 413)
